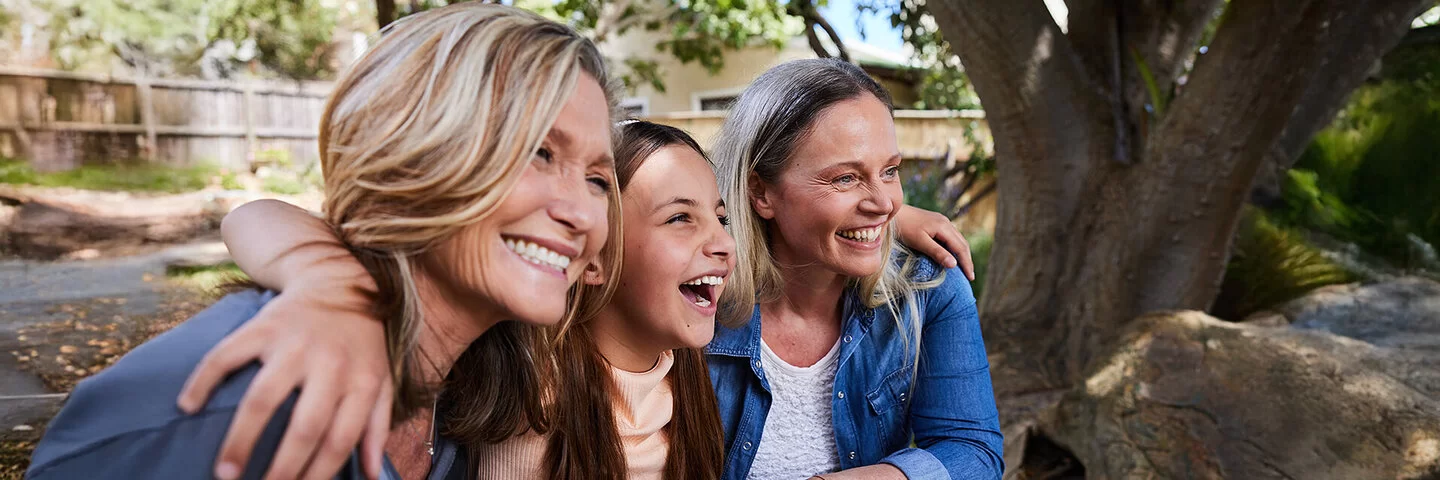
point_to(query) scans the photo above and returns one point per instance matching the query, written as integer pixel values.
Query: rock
(1185, 395)
(1402, 313)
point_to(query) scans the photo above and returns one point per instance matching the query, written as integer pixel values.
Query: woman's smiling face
(834, 200)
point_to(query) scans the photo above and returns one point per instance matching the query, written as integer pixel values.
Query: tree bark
(384, 12)
(1107, 211)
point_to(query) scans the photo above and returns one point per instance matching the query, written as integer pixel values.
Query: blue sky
(842, 15)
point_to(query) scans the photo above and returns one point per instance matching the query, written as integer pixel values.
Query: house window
(720, 102)
(635, 107)
(714, 100)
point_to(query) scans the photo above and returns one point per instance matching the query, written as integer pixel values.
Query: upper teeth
(537, 254)
(706, 280)
(862, 234)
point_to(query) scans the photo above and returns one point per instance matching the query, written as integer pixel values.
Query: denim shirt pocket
(890, 403)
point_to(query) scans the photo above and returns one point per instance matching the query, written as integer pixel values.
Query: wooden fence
(61, 120)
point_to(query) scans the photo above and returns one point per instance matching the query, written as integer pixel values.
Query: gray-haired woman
(853, 346)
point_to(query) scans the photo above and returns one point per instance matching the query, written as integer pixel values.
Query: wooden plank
(147, 116)
(247, 108)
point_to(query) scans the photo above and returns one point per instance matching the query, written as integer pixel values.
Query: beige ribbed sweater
(645, 408)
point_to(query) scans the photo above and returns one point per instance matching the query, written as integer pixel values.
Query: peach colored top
(645, 408)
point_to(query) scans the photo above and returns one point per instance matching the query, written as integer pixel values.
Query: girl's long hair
(585, 442)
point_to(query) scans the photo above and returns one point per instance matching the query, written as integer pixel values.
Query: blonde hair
(427, 134)
(766, 124)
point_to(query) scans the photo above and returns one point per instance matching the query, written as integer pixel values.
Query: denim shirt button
(852, 455)
(746, 446)
(842, 394)
(847, 339)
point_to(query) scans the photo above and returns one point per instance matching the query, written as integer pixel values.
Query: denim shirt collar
(744, 340)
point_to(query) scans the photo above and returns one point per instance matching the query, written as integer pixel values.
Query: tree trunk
(384, 12)
(1109, 209)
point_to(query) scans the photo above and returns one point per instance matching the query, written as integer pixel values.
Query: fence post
(247, 106)
(143, 93)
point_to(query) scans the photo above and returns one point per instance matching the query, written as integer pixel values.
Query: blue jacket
(123, 422)
(949, 414)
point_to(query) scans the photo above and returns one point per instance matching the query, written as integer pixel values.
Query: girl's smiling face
(678, 253)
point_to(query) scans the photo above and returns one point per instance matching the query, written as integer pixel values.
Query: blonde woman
(468, 223)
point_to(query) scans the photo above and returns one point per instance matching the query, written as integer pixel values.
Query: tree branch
(610, 14)
(1111, 34)
(1277, 72)
(384, 12)
(805, 9)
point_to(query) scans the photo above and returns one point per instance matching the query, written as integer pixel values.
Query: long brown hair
(425, 135)
(585, 442)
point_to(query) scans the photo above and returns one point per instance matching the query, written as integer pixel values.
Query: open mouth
(863, 235)
(701, 290)
(537, 254)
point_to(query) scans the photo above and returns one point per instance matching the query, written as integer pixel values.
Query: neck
(449, 327)
(621, 345)
(809, 291)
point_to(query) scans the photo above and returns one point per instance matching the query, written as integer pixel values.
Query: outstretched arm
(321, 325)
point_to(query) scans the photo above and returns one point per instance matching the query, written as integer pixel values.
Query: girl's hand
(933, 235)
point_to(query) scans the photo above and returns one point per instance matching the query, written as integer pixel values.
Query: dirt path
(77, 308)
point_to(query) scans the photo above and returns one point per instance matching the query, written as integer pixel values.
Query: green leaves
(194, 37)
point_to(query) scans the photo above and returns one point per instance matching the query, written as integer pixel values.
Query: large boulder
(1185, 395)
(1403, 313)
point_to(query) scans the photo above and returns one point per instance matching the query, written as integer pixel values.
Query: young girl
(461, 219)
(633, 398)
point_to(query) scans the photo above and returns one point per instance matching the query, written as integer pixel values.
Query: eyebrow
(859, 165)
(676, 201)
(563, 138)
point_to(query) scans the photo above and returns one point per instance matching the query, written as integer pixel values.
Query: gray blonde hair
(766, 124)
(427, 134)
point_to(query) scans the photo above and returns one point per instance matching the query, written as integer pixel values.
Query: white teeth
(537, 254)
(862, 234)
(702, 301)
(706, 280)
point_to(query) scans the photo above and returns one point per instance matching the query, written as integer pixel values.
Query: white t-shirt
(798, 440)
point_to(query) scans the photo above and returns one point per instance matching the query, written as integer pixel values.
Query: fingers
(231, 354)
(266, 392)
(350, 421)
(937, 252)
(378, 430)
(311, 418)
(956, 244)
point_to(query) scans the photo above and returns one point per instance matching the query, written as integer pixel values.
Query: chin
(701, 338)
(529, 313)
(862, 268)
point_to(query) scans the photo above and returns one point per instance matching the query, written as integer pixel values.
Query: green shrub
(1272, 264)
(1371, 178)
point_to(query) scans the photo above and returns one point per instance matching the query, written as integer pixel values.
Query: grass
(129, 178)
(207, 279)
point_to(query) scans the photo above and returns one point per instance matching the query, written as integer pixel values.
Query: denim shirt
(123, 422)
(881, 403)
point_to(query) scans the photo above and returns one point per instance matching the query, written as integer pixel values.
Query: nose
(877, 202)
(721, 245)
(577, 208)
